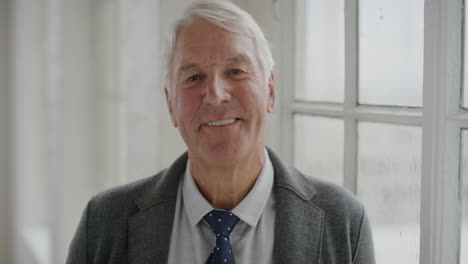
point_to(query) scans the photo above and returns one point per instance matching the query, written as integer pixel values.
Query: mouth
(224, 122)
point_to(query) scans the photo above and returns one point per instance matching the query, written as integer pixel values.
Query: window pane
(389, 184)
(319, 147)
(464, 233)
(321, 51)
(391, 52)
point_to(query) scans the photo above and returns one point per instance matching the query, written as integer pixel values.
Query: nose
(216, 91)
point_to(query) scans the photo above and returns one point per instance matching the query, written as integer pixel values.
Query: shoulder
(118, 197)
(334, 199)
(345, 222)
(113, 207)
(342, 211)
(104, 224)
(335, 211)
(325, 196)
(340, 207)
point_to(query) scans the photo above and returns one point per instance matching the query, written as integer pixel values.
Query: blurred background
(82, 109)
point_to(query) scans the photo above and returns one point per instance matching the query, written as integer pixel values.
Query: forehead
(202, 42)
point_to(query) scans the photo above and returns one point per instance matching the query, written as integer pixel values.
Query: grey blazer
(316, 222)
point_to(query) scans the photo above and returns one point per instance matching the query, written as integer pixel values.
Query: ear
(169, 105)
(271, 93)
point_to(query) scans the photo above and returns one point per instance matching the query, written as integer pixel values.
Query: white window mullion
(382, 114)
(440, 208)
(318, 109)
(351, 92)
(386, 114)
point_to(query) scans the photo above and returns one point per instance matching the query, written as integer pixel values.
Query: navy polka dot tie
(222, 223)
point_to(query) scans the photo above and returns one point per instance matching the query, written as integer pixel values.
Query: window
(389, 185)
(362, 72)
(318, 147)
(390, 51)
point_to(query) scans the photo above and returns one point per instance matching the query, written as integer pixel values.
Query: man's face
(219, 98)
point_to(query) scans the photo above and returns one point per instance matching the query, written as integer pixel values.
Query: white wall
(27, 86)
(139, 74)
(86, 102)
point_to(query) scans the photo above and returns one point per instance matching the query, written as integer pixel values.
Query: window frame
(441, 118)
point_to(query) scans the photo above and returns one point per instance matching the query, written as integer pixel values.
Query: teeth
(222, 122)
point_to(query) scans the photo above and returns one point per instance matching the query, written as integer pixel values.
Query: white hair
(228, 16)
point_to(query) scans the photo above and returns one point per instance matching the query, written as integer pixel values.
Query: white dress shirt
(252, 239)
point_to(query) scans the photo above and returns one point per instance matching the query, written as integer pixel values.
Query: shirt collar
(249, 210)
(196, 206)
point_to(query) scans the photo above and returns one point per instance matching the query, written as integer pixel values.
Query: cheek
(187, 107)
(252, 98)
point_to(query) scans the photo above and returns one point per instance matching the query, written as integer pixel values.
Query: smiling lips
(223, 122)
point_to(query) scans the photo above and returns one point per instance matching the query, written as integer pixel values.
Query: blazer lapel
(150, 234)
(150, 228)
(298, 227)
(299, 224)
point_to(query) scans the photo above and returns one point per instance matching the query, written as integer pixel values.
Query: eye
(194, 78)
(235, 72)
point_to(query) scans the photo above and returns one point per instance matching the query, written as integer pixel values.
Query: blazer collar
(163, 185)
(150, 229)
(298, 225)
(291, 179)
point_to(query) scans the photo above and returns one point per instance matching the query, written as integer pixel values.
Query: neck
(225, 186)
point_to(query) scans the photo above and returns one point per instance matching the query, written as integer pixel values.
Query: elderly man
(229, 198)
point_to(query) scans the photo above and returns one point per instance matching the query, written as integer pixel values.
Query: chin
(223, 154)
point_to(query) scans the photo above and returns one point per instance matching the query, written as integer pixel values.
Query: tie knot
(222, 222)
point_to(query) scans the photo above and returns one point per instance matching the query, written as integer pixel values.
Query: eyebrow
(237, 59)
(186, 67)
(240, 58)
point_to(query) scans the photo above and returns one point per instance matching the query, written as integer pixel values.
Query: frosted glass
(389, 184)
(464, 232)
(391, 52)
(318, 147)
(321, 52)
